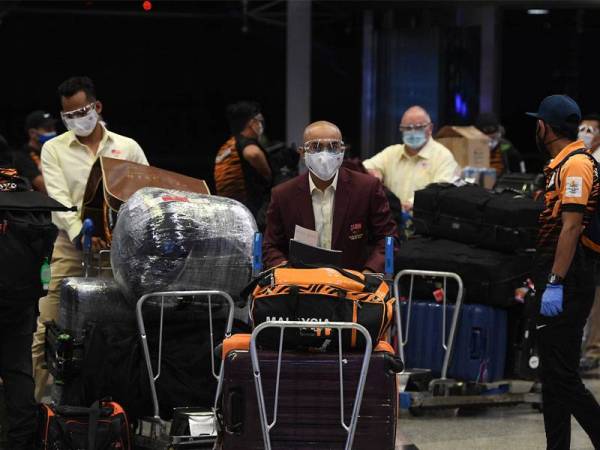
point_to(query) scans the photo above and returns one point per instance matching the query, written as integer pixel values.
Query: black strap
(558, 168)
(93, 424)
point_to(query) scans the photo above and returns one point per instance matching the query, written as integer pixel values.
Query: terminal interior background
(166, 75)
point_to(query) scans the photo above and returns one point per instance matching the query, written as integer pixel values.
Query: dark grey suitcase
(309, 401)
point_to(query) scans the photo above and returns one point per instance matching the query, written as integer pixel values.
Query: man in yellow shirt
(66, 163)
(418, 161)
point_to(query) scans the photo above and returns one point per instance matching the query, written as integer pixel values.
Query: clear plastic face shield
(587, 133)
(324, 157)
(78, 113)
(333, 146)
(415, 135)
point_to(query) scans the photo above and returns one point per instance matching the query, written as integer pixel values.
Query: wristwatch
(555, 279)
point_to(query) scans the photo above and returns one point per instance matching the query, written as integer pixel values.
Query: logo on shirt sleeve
(574, 187)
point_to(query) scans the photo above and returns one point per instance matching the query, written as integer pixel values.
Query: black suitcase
(309, 401)
(489, 277)
(529, 184)
(522, 358)
(473, 215)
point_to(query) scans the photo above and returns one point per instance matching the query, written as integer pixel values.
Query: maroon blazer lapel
(303, 205)
(340, 208)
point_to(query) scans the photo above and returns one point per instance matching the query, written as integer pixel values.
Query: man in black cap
(564, 271)
(242, 169)
(40, 127)
(504, 157)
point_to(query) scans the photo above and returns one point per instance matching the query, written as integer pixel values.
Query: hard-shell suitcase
(473, 215)
(479, 351)
(308, 414)
(86, 300)
(489, 277)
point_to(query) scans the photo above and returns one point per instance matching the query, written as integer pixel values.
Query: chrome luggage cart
(154, 432)
(419, 391)
(349, 427)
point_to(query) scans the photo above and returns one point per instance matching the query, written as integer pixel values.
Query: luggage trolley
(154, 432)
(350, 427)
(419, 391)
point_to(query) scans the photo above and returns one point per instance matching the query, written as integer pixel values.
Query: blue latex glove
(552, 300)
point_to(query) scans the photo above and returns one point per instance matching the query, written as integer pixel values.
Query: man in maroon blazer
(348, 210)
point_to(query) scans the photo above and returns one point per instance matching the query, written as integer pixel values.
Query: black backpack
(27, 237)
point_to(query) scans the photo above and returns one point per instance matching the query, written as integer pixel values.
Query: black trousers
(16, 374)
(564, 394)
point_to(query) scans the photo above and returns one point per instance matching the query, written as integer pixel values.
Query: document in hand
(304, 254)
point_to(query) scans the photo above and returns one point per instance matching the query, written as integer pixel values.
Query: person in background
(242, 171)
(563, 270)
(589, 133)
(18, 296)
(40, 127)
(418, 161)
(23, 164)
(347, 209)
(66, 163)
(504, 157)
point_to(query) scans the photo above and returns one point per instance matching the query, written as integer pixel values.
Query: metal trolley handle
(447, 341)
(206, 295)
(282, 325)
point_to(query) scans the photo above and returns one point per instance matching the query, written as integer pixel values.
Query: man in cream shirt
(419, 161)
(66, 163)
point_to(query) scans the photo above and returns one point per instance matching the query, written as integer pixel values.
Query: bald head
(415, 115)
(322, 130)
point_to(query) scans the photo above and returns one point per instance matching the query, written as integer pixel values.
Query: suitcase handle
(478, 342)
(234, 421)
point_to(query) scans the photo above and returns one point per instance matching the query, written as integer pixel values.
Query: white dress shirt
(66, 166)
(323, 203)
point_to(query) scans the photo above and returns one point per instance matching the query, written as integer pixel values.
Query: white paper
(202, 425)
(306, 236)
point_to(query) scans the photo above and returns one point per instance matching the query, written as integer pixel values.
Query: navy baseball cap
(560, 111)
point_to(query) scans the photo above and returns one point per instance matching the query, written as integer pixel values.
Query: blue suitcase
(479, 346)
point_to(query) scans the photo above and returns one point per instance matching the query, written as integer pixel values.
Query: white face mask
(586, 138)
(82, 126)
(324, 164)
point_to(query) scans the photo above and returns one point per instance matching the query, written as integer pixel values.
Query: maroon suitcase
(308, 415)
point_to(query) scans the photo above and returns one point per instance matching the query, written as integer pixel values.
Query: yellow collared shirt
(66, 166)
(404, 174)
(323, 204)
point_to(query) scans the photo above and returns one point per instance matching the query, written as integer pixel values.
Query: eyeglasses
(81, 112)
(416, 126)
(588, 129)
(324, 145)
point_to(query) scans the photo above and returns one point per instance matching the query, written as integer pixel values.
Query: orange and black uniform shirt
(235, 178)
(574, 188)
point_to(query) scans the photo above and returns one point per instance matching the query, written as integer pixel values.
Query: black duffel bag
(489, 277)
(318, 296)
(504, 221)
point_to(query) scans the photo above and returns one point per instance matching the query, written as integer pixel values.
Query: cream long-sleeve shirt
(66, 166)
(404, 174)
(323, 203)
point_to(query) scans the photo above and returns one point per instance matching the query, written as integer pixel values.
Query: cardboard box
(469, 146)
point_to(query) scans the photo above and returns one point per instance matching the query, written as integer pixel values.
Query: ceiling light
(537, 12)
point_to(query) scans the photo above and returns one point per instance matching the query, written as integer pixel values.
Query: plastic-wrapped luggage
(167, 240)
(479, 345)
(86, 300)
